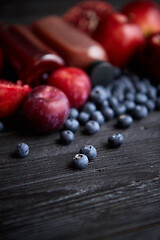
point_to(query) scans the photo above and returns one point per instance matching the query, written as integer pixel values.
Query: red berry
(74, 82)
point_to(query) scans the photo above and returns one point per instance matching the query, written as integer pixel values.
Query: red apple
(11, 96)
(46, 108)
(74, 82)
(86, 15)
(148, 58)
(145, 13)
(119, 37)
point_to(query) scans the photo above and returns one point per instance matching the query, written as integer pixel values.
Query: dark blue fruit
(150, 104)
(73, 113)
(66, 137)
(113, 102)
(108, 113)
(22, 150)
(92, 127)
(140, 112)
(89, 151)
(124, 121)
(115, 140)
(130, 105)
(141, 98)
(98, 117)
(80, 161)
(83, 117)
(71, 124)
(119, 110)
(98, 94)
(89, 107)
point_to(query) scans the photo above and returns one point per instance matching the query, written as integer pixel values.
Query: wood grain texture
(116, 197)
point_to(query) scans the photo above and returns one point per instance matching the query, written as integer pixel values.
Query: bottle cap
(101, 73)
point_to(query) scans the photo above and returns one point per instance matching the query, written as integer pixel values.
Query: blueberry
(98, 117)
(66, 137)
(83, 117)
(150, 104)
(73, 113)
(98, 94)
(89, 107)
(117, 72)
(89, 151)
(92, 127)
(141, 98)
(1, 126)
(141, 87)
(124, 121)
(104, 104)
(115, 140)
(22, 150)
(140, 112)
(152, 92)
(108, 113)
(119, 110)
(113, 101)
(130, 105)
(71, 124)
(80, 161)
(119, 94)
(130, 96)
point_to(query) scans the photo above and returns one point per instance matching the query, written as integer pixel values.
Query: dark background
(21, 11)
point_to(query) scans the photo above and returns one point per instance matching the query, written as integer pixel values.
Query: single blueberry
(130, 105)
(117, 72)
(104, 104)
(98, 94)
(115, 140)
(130, 96)
(80, 161)
(98, 117)
(83, 117)
(141, 87)
(22, 150)
(108, 113)
(152, 92)
(89, 107)
(66, 137)
(71, 124)
(119, 94)
(1, 126)
(113, 102)
(119, 110)
(89, 151)
(92, 127)
(124, 121)
(151, 105)
(141, 98)
(140, 112)
(73, 113)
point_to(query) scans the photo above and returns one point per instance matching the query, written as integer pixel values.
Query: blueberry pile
(87, 153)
(127, 98)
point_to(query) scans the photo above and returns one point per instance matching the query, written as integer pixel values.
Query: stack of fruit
(52, 58)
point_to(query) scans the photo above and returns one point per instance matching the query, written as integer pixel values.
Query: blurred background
(25, 11)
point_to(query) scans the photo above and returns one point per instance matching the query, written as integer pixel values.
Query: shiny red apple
(119, 37)
(46, 108)
(145, 13)
(74, 82)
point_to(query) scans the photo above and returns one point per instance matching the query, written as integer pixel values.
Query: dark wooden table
(42, 197)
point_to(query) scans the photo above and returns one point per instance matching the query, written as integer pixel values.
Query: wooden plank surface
(42, 197)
